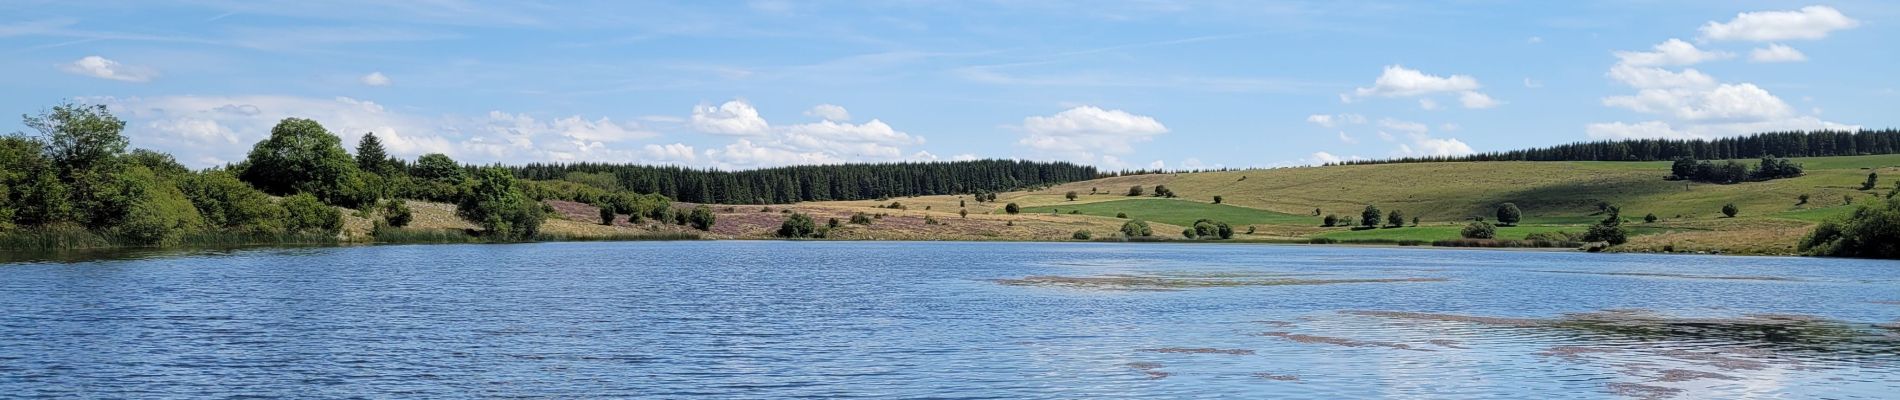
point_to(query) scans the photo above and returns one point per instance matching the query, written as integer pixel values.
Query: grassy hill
(1555, 196)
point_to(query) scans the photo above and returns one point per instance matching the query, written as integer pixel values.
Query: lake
(768, 319)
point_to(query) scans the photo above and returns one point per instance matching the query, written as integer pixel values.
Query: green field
(1176, 212)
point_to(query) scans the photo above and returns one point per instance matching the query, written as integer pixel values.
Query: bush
(497, 204)
(1081, 235)
(1803, 198)
(1610, 230)
(1872, 231)
(1509, 214)
(607, 215)
(1330, 220)
(1730, 210)
(1479, 230)
(304, 213)
(1012, 209)
(156, 212)
(963, 213)
(1873, 179)
(1163, 191)
(1121, 215)
(1136, 228)
(1650, 219)
(1134, 190)
(797, 225)
(1189, 233)
(1369, 217)
(702, 218)
(1395, 219)
(1217, 199)
(396, 213)
(229, 204)
(302, 157)
(1071, 195)
(860, 219)
(833, 223)
(1211, 229)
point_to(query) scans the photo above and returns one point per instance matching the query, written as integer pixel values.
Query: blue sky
(1118, 84)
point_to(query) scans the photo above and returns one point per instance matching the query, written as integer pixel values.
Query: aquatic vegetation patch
(1641, 391)
(1153, 370)
(1271, 376)
(1338, 341)
(1200, 350)
(1673, 275)
(1152, 282)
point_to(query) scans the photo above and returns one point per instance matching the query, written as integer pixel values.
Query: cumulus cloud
(1665, 130)
(676, 154)
(1673, 52)
(104, 68)
(735, 117)
(1775, 53)
(1332, 120)
(829, 112)
(1725, 102)
(375, 79)
(1427, 104)
(1657, 78)
(1084, 133)
(1811, 22)
(1476, 100)
(1399, 81)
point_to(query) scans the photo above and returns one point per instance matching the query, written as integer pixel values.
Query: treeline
(816, 182)
(1776, 144)
(1731, 171)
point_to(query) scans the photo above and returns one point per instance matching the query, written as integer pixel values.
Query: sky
(1117, 84)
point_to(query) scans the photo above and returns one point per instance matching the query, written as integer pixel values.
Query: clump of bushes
(1209, 229)
(1871, 231)
(702, 218)
(1610, 230)
(1082, 235)
(1479, 230)
(860, 219)
(1136, 228)
(797, 226)
(396, 213)
(1731, 171)
(1012, 208)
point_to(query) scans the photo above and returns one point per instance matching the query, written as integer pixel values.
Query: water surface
(962, 320)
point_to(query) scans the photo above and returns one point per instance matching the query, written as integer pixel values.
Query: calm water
(841, 319)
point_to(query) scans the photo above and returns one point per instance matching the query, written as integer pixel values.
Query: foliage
(1730, 210)
(1369, 217)
(1330, 220)
(824, 182)
(156, 212)
(1211, 229)
(1731, 171)
(1134, 190)
(438, 167)
(1784, 144)
(1872, 231)
(304, 213)
(1873, 179)
(1071, 195)
(607, 215)
(1479, 230)
(1395, 219)
(1610, 230)
(495, 202)
(1136, 228)
(396, 213)
(371, 157)
(1082, 235)
(79, 137)
(1650, 219)
(797, 225)
(702, 218)
(860, 219)
(1217, 199)
(1509, 214)
(229, 204)
(302, 157)
(1012, 208)
(1163, 191)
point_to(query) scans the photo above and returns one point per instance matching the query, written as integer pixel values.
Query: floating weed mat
(1168, 283)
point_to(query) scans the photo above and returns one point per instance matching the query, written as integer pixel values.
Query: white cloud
(1811, 22)
(1398, 81)
(829, 112)
(1725, 102)
(1403, 126)
(1530, 84)
(963, 157)
(375, 79)
(1326, 158)
(1534, 40)
(1436, 147)
(1652, 77)
(1672, 52)
(1776, 52)
(1664, 130)
(1347, 139)
(101, 67)
(1476, 100)
(1083, 133)
(676, 154)
(1330, 120)
(734, 117)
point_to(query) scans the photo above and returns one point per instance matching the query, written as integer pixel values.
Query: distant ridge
(1777, 144)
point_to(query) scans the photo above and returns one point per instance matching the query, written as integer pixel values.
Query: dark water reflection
(831, 319)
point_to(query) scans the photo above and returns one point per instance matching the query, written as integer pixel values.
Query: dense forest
(1776, 144)
(818, 182)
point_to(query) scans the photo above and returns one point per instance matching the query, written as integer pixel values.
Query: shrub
(860, 219)
(681, 217)
(496, 203)
(963, 213)
(897, 206)
(1071, 195)
(1330, 220)
(1121, 215)
(1395, 219)
(1369, 217)
(1730, 210)
(1509, 214)
(1211, 229)
(1163, 191)
(1134, 190)
(1873, 179)
(833, 223)
(396, 213)
(1081, 235)
(1217, 199)
(1610, 230)
(929, 220)
(796, 226)
(156, 212)
(606, 214)
(230, 204)
(1650, 219)
(1250, 229)
(1479, 230)
(1189, 233)
(1136, 228)
(702, 218)
(1803, 198)
(1872, 231)
(305, 214)
(1012, 208)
